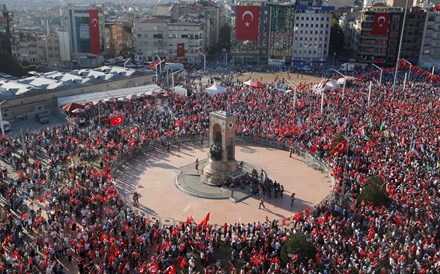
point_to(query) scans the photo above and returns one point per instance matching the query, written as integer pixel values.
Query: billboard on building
(84, 31)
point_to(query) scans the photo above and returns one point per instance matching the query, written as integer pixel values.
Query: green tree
(339, 137)
(10, 65)
(336, 38)
(224, 37)
(297, 244)
(374, 192)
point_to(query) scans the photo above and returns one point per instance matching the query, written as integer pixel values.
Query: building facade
(190, 36)
(312, 33)
(413, 34)
(380, 35)
(430, 47)
(113, 39)
(6, 30)
(149, 38)
(159, 37)
(288, 33)
(86, 32)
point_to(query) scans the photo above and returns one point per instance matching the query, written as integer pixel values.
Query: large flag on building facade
(95, 45)
(247, 22)
(180, 50)
(380, 25)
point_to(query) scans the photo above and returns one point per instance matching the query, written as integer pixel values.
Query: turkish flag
(95, 44)
(381, 21)
(205, 220)
(247, 23)
(341, 147)
(170, 270)
(436, 8)
(153, 64)
(118, 120)
(180, 50)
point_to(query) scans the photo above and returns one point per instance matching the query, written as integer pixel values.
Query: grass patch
(94, 161)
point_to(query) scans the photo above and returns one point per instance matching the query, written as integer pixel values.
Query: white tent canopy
(248, 82)
(216, 89)
(181, 91)
(149, 89)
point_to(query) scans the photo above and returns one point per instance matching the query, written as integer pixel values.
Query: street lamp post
(155, 66)
(160, 62)
(204, 60)
(1, 117)
(400, 46)
(381, 71)
(369, 93)
(410, 65)
(294, 92)
(404, 82)
(226, 57)
(172, 77)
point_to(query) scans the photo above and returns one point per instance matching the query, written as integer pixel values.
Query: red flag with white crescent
(118, 120)
(247, 23)
(381, 21)
(95, 44)
(341, 147)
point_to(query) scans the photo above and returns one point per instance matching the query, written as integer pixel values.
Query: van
(173, 66)
(6, 125)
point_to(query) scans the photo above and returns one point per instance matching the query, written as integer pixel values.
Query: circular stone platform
(188, 180)
(153, 175)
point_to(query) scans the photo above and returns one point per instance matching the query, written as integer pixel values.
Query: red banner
(180, 50)
(380, 25)
(247, 22)
(95, 44)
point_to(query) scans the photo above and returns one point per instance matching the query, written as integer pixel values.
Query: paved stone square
(153, 175)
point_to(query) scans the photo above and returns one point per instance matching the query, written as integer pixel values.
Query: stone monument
(221, 163)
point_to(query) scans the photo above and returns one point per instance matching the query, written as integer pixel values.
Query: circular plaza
(153, 175)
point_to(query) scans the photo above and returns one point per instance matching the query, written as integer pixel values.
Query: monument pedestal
(221, 163)
(216, 172)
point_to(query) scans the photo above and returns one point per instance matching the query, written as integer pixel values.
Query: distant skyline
(24, 5)
(36, 4)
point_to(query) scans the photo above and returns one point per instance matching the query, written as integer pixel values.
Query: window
(146, 35)
(184, 36)
(158, 36)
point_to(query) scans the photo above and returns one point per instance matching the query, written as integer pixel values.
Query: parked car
(43, 119)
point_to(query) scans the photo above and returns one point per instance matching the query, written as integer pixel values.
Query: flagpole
(400, 46)
(369, 94)
(381, 71)
(404, 82)
(410, 65)
(322, 100)
(294, 94)
(345, 80)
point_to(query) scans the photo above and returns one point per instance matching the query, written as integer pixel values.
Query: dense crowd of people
(57, 211)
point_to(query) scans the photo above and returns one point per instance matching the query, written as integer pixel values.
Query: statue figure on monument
(221, 165)
(216, 149)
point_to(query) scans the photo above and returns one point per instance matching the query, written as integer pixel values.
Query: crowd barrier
(312, 160)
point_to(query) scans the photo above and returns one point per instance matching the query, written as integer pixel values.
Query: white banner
(84, 31)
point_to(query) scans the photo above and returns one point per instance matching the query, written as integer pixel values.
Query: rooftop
(41, 82)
